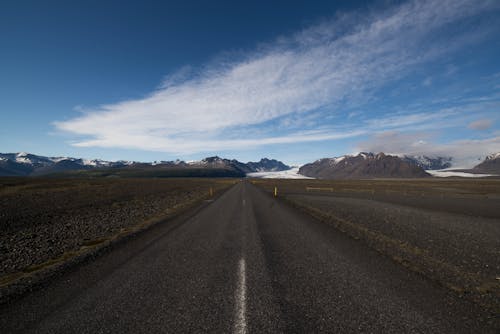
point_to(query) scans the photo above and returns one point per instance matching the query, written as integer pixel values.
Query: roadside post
(275, 191)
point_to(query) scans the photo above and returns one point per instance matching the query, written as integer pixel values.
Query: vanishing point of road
(244, 263)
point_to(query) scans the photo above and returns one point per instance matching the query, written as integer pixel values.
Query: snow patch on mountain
(336, 160)
(58, 159)
(23, 160)
(493, 156)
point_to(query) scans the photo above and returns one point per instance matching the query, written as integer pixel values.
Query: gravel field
(46, 219)
(448, 230)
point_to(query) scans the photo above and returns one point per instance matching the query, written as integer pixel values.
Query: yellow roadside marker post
(275, 191)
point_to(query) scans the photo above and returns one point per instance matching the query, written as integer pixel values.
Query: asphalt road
(245, 263)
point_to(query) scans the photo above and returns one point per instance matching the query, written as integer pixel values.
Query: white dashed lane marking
(240, 325)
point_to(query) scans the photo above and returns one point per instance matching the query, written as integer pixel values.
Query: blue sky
(294, 81)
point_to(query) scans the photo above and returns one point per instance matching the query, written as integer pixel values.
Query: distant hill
(26, 164)
(363, 165)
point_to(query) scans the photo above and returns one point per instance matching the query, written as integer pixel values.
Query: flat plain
(446, 230)
(47, 221)
(317, 258)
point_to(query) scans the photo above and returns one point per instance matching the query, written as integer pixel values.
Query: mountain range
(26, 164)
(361, 165)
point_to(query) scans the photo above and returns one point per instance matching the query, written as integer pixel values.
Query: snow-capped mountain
(213, 162)
(27, 158)
(38, 160)
(493, 156)
(491, 164)
(429, 163)
(264, 165)
(267, 165)
(362, 165)
(23, 164)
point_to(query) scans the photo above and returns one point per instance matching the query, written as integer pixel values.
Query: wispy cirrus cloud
(320, 70)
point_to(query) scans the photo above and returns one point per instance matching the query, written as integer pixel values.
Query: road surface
(245, 263)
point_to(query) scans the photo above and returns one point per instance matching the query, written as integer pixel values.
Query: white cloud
(194, 145)
(395, 142)
(400, 121)
(334, 63)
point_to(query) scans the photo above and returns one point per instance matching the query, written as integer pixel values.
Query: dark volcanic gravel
(244, 263)
(42, 219)
(448, 231)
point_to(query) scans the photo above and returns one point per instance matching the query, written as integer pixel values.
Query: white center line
(240, 325)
